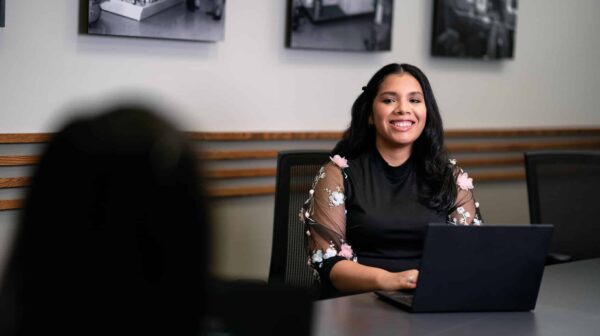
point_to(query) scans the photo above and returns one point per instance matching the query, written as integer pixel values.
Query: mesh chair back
(563, 189)
(296, 171)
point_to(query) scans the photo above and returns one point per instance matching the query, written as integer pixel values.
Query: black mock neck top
(385, 222)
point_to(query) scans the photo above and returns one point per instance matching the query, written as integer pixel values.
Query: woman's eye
(387, 101)
(415, 101)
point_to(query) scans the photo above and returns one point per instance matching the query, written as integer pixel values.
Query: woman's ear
(370, 120)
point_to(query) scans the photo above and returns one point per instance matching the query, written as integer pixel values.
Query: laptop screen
(481, 268)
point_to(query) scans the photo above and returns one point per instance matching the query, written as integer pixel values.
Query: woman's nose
(402, 107)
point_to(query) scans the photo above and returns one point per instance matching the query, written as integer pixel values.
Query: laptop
(477, 268)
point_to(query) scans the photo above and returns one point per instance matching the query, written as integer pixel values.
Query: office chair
(296, 171)
(563, 189)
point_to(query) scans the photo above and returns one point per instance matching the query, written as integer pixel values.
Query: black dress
(368, 211)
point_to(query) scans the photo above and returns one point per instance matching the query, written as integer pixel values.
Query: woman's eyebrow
(389, 93)
(392, 93)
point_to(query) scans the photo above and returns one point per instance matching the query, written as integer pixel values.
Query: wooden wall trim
(238, 154)
(242, 191)
(498, 176)
(522, 146)
(452, 148)
(21, 138)
(515, 146)
(14, 182)
(265, 190)
(490, 155)
(521, 132)
(513, 160)
(18, 160)
(240, 173)
(236, 173)
(263, 136)
(14, 138)
(335, 135)
(13, 204)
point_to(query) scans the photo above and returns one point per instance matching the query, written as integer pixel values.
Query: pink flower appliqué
(464, 181)
(346, 251)
(339, 161)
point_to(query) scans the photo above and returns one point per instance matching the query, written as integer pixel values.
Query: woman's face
(399, 111)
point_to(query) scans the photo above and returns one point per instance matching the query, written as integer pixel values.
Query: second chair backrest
(563, 189)
(296, 171)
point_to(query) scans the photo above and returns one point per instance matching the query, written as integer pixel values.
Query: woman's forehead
(401, 82)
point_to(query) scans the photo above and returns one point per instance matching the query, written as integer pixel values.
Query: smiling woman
(389, 177)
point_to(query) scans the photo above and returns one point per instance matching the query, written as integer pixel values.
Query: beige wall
(250, 82)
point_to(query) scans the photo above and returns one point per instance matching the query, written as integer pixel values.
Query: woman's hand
(399, 280)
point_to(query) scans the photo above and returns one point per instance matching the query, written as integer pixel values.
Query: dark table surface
(568, 304)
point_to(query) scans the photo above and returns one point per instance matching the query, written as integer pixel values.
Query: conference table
(568, 304)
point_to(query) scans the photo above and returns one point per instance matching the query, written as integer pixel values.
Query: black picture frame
(2, 11)
(189, 20)
(477, 29)
(341, 25)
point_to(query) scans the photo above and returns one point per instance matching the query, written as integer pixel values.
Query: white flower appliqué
(464, 214)
(330, 252)
(336, 198)
(317, 257)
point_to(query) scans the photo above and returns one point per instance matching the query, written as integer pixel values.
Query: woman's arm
(466, 209)
(351, 277)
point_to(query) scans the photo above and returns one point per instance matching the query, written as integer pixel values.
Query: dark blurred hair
(438, 189)
(113, 237)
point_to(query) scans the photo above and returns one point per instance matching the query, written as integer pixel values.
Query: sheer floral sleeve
(324, 218)
(466, 209)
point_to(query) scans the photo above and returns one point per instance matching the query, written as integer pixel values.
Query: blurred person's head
(114, 231)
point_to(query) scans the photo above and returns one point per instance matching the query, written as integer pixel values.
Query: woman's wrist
(382, 279)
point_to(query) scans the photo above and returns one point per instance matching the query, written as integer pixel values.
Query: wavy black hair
(437, 188)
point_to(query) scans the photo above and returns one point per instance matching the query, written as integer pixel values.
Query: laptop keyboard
(406, 299)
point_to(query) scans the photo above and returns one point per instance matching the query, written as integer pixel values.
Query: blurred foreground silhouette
(113, 237)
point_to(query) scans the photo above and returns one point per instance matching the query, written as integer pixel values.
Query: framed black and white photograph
(482, 29)
(193, 20)
(344, 25)
(1, 13)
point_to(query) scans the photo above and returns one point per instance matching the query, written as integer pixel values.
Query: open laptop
(477, 268)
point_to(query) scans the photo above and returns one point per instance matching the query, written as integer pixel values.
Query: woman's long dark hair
(437, 189)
